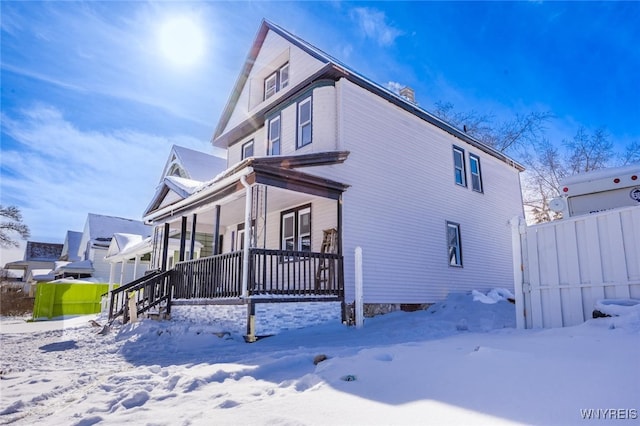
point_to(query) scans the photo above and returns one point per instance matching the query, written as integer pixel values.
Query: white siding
(234, 153)
(275, 52)
(323, 128)
(403, 192)
(102, 268)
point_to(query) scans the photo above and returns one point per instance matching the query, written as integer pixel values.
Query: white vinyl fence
(562, 268)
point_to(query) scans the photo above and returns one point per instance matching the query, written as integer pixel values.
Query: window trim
(462, 169)
(459, 263)
(283, 83)
(296, 212)
(270, 140)
(268, 92)
(476, 158)
(278, 82)
(300, 126)
(245, 146)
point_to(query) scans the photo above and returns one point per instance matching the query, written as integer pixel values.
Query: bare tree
(547, 165)
(589, 151)
(631, 154)
(12, 224)
(513, 135)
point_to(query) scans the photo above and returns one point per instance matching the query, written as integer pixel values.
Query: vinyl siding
(323, 216)
(402, 193)
(275, 52)
(323, 128)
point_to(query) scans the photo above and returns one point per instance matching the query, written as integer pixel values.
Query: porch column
(247, 236)
(183, 237)
(193, 236)
(340, 225)
(165, 247)
(124, 261)
(216, 233)
(136, 263)
(112, 272)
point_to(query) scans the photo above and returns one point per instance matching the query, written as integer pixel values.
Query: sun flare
(181, 41)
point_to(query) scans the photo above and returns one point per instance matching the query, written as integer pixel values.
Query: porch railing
(271, 272)
(295, 273)
(211, 277)
(149, 291)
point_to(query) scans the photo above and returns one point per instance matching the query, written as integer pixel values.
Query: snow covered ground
(460, 362)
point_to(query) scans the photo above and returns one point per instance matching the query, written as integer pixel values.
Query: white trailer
(598, 191)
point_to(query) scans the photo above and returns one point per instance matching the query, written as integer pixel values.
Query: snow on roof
(197, 165)
(71, 246)
(182, 186)
(42, 275)
(82, 266)
(122, 243)
(44, 252)
(103, 227)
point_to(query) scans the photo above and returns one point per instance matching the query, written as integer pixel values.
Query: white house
(38, 263)
(321, 160)
(96, 239)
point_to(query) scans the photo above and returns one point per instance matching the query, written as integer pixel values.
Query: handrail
(150, 291)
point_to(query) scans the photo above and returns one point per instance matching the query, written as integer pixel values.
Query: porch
(270, 234)
(274, 276)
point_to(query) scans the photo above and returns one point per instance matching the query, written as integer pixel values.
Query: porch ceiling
(232, 212)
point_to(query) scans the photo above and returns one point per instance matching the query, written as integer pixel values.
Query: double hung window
(476, 175)
(460, 173)
(274, 136)
(247, 150)
(296, 229)
(304, 122)
(276, 81)
(453, 244)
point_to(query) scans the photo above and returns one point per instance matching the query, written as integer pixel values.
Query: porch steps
(325, 271)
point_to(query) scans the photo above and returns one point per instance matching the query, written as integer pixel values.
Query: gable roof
(194, 165)
(101, 226)
(197, 167)
(42, 252)
(99, 230)
(335, 69)
(71, 246)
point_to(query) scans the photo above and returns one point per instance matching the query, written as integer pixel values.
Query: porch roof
(275, 171)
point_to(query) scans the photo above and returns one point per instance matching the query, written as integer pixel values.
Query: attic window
(276, 81)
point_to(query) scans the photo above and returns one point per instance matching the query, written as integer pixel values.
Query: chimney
(408, 93)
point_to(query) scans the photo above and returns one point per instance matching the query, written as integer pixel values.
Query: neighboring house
(133, 254)
(38, 263)
(71, 247)
(95, 241)
(321, 160)
(185, 170)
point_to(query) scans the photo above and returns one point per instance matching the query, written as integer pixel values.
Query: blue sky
(91, 105)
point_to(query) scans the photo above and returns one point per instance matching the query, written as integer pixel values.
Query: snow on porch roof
(274, 170)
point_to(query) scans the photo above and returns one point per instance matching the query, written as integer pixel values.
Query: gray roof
(42, 252)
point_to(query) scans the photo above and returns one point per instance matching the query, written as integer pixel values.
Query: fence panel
(568, 265)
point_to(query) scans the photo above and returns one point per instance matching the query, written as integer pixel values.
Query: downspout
(247, 236)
